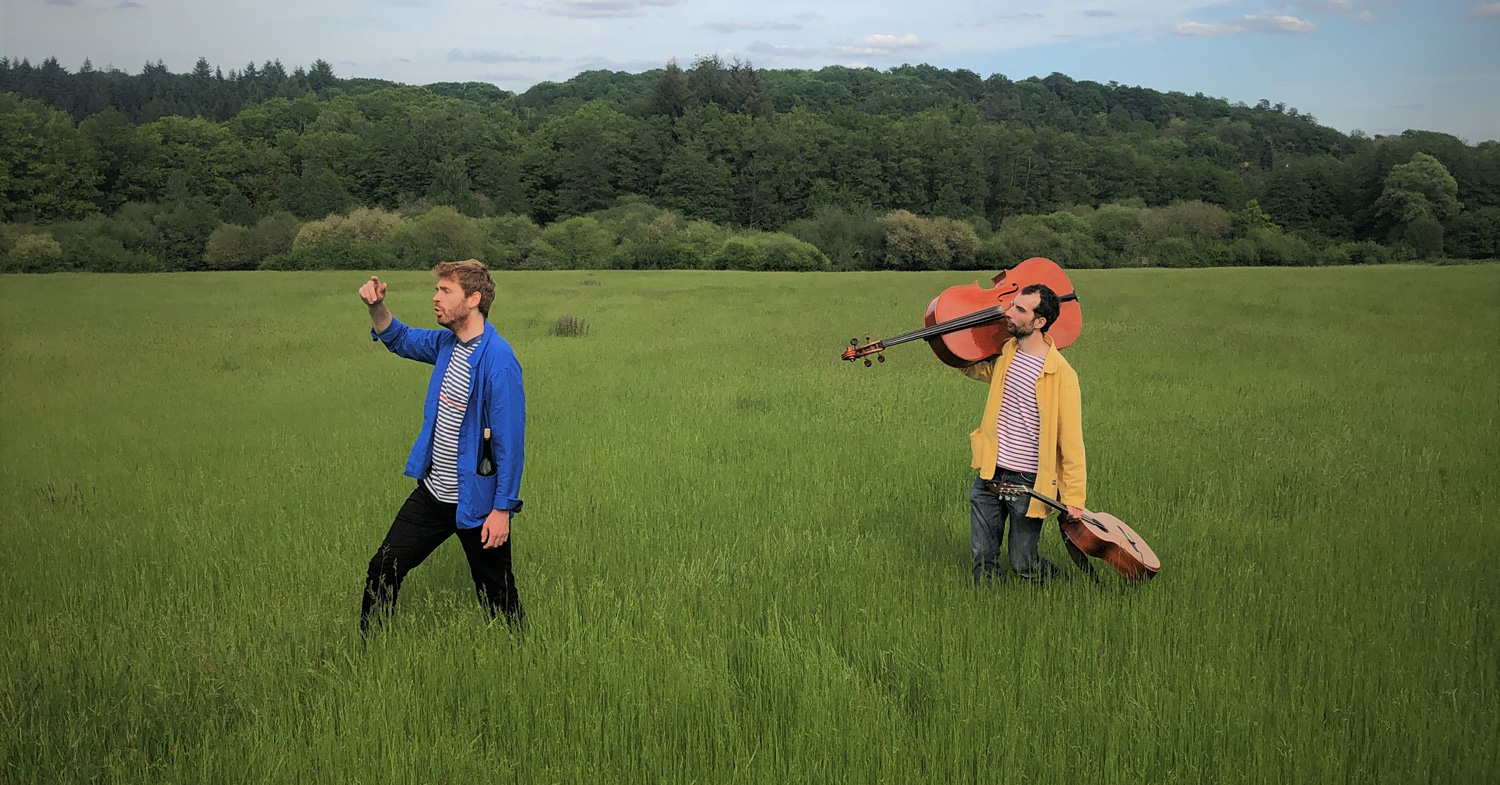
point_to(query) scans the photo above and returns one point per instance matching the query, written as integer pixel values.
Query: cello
(965, 324)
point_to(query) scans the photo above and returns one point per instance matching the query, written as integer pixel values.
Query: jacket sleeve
(506, 410)
(1072, 474)
(981, 371)
(410, 342)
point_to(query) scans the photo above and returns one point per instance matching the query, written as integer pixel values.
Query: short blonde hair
(472, 276)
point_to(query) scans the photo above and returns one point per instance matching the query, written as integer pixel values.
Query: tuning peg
(880, 357)
(853, 341)
(867, 362)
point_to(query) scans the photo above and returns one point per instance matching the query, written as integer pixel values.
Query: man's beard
(455, 317)
(1017, 330)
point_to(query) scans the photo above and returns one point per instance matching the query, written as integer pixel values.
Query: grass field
(742, 560)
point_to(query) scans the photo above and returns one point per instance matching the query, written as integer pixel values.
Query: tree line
(816, 155)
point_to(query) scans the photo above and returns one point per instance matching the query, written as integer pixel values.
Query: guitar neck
(1047, 500)
(1063, 508)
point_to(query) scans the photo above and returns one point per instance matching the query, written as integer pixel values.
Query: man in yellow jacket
(1031, 434)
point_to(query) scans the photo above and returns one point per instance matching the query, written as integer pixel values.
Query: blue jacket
(495, 386)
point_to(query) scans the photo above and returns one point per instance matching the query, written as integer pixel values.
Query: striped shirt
(442, 476)
(1019, 424)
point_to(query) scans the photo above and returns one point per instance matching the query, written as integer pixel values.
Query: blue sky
(1380, 66)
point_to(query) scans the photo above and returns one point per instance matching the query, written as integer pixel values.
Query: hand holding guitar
(1096, 534)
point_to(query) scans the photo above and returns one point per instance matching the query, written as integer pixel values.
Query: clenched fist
(373, 292)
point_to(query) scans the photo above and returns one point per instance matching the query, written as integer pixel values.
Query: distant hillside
(1055, 101)
(722, 142)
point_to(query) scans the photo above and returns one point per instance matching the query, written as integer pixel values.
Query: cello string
(952, 325)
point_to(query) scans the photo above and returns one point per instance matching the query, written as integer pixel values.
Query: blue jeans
(987, 516)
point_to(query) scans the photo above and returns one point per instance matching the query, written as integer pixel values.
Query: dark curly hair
(1048, 307)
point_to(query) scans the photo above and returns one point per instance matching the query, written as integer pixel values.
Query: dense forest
(714, 165)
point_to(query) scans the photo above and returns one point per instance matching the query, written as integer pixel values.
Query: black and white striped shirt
(442, 476)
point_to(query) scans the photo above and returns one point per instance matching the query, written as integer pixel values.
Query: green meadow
(742, 559)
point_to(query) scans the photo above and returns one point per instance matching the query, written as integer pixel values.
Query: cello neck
(951, 326)
(965, 322)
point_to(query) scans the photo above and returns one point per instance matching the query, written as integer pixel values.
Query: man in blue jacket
(476, 386)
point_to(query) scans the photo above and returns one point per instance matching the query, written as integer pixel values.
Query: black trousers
(422, 524)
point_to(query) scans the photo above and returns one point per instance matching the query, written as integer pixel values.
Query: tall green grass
(742, 560)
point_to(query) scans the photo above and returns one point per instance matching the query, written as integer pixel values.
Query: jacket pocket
(976, 447)
(479, 493)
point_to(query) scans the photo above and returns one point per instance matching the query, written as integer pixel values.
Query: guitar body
(1108, 539)
(1096, 534)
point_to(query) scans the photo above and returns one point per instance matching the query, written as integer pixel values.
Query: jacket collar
(1054, 357)
(486, 338)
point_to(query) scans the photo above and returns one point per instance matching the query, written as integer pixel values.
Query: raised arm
(373, 293)
(413, 344)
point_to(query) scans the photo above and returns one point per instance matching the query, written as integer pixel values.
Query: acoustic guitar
(1096, 534)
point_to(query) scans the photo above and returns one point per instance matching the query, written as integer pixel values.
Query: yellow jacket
(1060, 471)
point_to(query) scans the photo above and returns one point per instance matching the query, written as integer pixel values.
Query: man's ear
(472, 301)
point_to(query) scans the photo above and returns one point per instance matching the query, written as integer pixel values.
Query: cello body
(963, 348)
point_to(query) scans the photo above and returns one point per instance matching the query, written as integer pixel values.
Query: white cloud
(880, 44)
(1248, 24)
(772, 50)
(606, 9)
(1361, 11)
(1486, 11)
(1277, 24)
(459, 55)
(1328, 7)
(734, 27)
(1199, 29)
(1358, 10)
